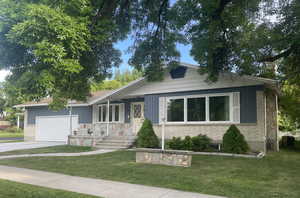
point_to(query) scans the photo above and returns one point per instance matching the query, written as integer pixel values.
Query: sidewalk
(96, 152)
(96, 187)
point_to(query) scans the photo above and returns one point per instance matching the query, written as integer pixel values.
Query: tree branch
(220, 9)
(162, 6)
(286, 53)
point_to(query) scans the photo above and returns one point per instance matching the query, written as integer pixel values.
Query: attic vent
(178, 72)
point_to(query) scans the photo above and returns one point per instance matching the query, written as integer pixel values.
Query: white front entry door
(137, 116)
(54, 128)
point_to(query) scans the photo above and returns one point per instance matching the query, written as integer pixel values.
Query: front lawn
(276, 175)
(51, 149)
(4, 134)
(10, 141)
(10, 189)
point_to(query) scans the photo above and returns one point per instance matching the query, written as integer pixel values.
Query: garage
(54, 128)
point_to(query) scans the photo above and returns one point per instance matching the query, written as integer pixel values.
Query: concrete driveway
(27, 145)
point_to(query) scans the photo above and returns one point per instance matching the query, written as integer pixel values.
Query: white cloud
(3, 74)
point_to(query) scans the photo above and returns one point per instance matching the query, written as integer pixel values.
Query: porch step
(115, 138)
(110, 147)
(117, 142)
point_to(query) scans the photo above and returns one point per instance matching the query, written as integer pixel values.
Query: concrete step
(111, 147)
(120, 138)
(116, 141)
(113, 144)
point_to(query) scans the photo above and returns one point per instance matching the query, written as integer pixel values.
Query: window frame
(112, 106)
(206, 96)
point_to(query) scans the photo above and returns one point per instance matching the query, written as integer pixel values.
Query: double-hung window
(199, 108)
(113, 115)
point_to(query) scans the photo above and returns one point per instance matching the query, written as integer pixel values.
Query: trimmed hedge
(234, 141)
(175, 143)
(146, 137)
(197, 143)
(201, 143)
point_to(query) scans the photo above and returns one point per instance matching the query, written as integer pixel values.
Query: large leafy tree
(57, 48)
(54, 48)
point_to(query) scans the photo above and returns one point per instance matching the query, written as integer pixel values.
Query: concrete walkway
(26, 145)
(96, 187)
(100, 151)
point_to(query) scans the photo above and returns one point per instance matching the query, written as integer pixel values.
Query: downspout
(163, 126)
(277, 128)
(107, 125)
(18, 121)
(70, 113)
(163, 135)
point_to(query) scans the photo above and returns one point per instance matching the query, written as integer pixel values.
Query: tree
(10, 96)
(58, 48)
(120, 79)
(54, 48)
(289, 107)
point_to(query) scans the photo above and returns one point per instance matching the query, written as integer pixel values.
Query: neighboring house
(184, 102)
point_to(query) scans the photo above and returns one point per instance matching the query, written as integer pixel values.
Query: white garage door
(54, 128)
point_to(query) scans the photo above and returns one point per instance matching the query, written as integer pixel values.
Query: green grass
(10, 141)
(10, 189)
(276, 175)
(51, 149)
(4, 134)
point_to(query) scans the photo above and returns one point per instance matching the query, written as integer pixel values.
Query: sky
(123, 46)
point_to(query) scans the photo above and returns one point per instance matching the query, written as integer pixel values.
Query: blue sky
(123, 46)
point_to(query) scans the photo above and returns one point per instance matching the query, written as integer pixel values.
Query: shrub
(175, 143)
(187, 143)
(146, 136)
(201, 142)
(234, 141)
(13, 130)
(287, 142)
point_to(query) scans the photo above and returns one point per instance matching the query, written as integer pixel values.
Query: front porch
(116, 120)
(108, 135)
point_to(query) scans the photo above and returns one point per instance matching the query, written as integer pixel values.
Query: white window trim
(113, 113)
(206, 96)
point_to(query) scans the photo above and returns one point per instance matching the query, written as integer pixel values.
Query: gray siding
(247, 101)
(84, 113)
(151, 108)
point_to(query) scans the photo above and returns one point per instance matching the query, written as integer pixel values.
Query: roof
(47, 101)
(105, 94)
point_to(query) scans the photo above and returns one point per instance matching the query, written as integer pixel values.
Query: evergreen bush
(234, 141)
(146, 136)
(187, 143)
(201, 143)
(175, 143)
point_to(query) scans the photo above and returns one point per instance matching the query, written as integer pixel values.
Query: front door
(137, 116)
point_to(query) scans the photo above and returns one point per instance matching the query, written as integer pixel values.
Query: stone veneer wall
(29, 132)
(271, 118)
(82, 141)
(29, 129)
(166, 157)
(254, 133)
(115, 129)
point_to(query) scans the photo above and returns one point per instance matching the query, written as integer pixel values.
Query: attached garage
(55, 128)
